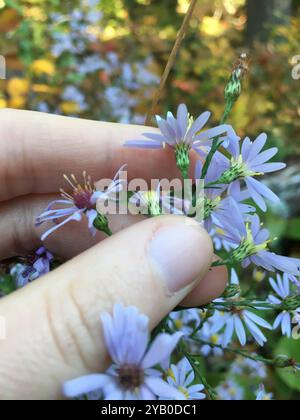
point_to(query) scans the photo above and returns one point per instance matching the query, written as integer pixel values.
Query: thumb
(53, 328)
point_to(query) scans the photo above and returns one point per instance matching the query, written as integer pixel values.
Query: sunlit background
(102, 59)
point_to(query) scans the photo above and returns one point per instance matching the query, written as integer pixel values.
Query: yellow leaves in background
(213, 26)
(17, 87)
(42, 88)
(17, 90)
(3, 103)
(144, 2)
(69, 107)
(232, 6)
(183, 6)
(111, 32)
(35, 13)
(43, 66)
(17, 102)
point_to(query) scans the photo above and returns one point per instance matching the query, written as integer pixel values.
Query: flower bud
(182, 159)
(292, 303)
(282, 361)
(231, 291)
(101, 224)
(234, 87)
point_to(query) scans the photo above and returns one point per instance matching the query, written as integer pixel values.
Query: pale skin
(53, 328)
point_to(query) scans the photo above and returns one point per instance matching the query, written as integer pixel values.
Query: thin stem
(244, 304)
(217, 143)
(242, 353)
(221, 263)
(209, 389)
(171, 61)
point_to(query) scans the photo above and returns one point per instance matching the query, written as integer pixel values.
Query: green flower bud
(282, 362)
(234, 87)
(101, 224)
(247, 247)
(209, 206)
(231, 291)
(153, 201)
(183, 159)
(292, 303)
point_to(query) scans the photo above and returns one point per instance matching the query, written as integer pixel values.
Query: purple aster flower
(132, 375)
(230, 391)
(248, 161)
(157, 202)
(252, 243)
(238, 321)
(219, 206)
(241, 320)
(81, 202)
(205, 334)
(220, 243)
(181, 134)
(182, 377)
(262, 395)
(33, 267)
(248, 367)
(282, 288)
(185, 321)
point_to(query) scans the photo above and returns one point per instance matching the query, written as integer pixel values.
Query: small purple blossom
(252, 244)
(74, 206)
(33, 267)
(230, 391)
(248, 161)
(262, 395)
(249, 367)
(238, 321)
(182, 377)
(282, 287)
(180, 130)
(157, 202)
(241, 320)
(132, 375)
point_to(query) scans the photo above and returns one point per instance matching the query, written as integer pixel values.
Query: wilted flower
(131, 377)
(81, 202)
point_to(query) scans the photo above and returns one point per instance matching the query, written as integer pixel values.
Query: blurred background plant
(103, 59)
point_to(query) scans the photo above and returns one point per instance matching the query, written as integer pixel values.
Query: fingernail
(182, 254)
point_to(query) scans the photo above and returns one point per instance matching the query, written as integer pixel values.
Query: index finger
(37, 149)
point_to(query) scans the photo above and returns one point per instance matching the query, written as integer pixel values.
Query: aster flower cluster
(226, 194)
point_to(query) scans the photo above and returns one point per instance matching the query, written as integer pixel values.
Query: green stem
(217, 143)
(209, 389)
(244, 304)
(256, 358)
(221, 263)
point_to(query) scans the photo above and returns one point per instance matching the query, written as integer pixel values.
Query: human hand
(53, 327)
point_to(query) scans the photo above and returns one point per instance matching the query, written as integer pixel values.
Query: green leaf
(293, 232)
(14, 5)
(290, 348)
(7, 284)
